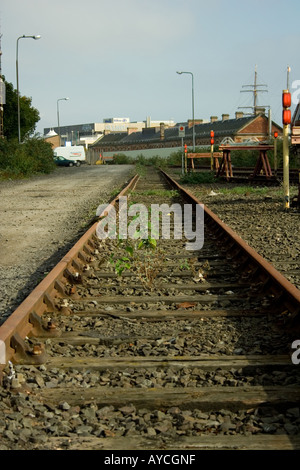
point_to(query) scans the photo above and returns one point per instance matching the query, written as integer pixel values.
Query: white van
(75, 153)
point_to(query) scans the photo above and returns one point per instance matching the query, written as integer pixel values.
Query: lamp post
(17, 73)
(60, 99)
(193, 106)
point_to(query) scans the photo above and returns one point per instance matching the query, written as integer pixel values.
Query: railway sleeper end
(73, 277)
(87, 259)
(27, 353)
(292, 322)
(79, 266)
(41, 328)
(66, 289)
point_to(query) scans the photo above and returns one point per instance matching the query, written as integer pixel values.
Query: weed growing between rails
(199, 274)
(140, 253)
(142, 257)
(138, 228)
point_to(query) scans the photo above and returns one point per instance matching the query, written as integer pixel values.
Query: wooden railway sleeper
(92, 241)
(89, 250)
(66, 289)
(80, 267)
(249, 270)
(292, 321)
(54, 305)
(233, 252)
(217, 232)
(60, 287)
(49, 301)
(225, 243)
(42, 329)
(27, 354)
(73, 277)
(287, 312)
(88, 259)
(251, 273)
(265, 285)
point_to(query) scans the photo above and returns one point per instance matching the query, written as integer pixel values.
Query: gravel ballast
(257, 215)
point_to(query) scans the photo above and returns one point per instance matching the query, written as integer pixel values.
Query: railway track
(245, 174)
(154, 346)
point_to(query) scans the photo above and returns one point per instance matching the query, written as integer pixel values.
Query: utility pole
(255, 90)
(286, 119)
(2, 95)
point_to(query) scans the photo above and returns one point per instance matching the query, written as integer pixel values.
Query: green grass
(276, 191)
(245, 189)
(199, 178)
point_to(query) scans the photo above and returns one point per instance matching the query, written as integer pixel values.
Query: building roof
(221, 128)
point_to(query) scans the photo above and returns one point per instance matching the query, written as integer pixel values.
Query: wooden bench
(215, 157)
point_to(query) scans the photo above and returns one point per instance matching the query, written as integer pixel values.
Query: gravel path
(42, 217)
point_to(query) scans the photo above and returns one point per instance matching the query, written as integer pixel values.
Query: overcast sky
(118, 58)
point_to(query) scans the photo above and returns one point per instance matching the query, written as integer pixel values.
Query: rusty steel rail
(284, 293)
(26, 319)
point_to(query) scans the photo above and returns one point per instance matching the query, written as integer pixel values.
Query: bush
(121, 159)
(141, 160)
(244, 158)
(157, 161)
(175, 158)
(31, 157)
(198, 178)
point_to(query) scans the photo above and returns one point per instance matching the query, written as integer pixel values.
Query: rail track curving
(154, 346)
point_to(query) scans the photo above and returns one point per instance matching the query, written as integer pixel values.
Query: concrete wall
(93, 154)
(147, 153)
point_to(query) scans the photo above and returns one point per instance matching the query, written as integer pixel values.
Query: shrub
(121, 159)
(141, 160)
(31, 157)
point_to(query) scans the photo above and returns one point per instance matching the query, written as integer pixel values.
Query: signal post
(212, 141)
(275, 152)
(286, 119)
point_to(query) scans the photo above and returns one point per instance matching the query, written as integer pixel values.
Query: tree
(29, 116)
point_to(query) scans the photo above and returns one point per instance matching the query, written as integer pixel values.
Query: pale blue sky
(119, 58)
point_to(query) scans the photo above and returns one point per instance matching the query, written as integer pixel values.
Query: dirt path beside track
(41, 218)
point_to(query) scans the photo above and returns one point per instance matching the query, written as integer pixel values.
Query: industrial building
(162, 140)
(85, 134)
(151, 138)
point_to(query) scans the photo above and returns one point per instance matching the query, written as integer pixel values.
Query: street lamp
(193, 106)
(60, 99)
(17, 72)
